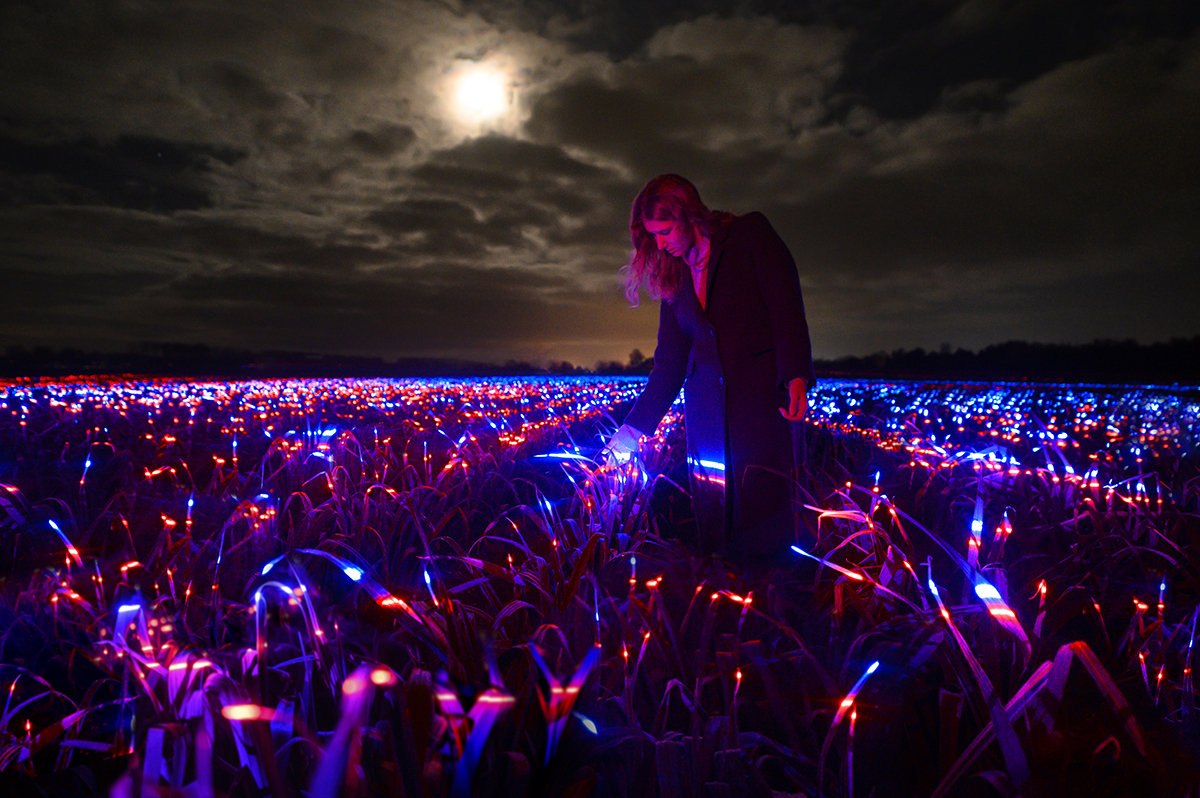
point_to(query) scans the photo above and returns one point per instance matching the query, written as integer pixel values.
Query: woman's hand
(797, 400)
(622, 446)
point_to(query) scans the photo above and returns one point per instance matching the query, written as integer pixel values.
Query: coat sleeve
(667, 376)
(779, 284)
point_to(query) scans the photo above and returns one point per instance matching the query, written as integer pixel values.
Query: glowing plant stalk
(1003, 614)
(1014, 756)
(429, 587)
(844, 707)
(72, 552)
(845, 572)
(976, 539)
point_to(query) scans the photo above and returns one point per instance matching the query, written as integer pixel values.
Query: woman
(732, 334)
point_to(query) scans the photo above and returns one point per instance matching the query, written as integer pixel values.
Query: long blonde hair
(664, 198)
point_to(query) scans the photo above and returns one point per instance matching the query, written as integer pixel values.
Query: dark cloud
(420, 215)
(519, 160)
(1093, 158)
(906, 55)
(132, 172)
(537, 193)
(241, 86)
(449, 228)
(384, 141)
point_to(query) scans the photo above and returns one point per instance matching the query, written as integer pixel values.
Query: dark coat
(734, 361)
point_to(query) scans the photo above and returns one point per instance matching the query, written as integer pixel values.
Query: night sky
(317, 176)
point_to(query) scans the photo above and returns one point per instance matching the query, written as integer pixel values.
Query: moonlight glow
(480, 93)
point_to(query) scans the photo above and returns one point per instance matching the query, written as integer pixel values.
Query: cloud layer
(295, 176)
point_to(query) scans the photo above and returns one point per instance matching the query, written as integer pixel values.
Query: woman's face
(670, 236)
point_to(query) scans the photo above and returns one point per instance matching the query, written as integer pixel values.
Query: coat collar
(687, 305)
(686, 294)
(716, 249)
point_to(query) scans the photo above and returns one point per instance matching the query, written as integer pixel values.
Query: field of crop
(428, 587)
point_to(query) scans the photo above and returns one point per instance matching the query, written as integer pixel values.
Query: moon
(480, 93)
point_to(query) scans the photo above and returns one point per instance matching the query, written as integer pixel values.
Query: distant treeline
(1128, 362)
(1176, 361)
(199, 360)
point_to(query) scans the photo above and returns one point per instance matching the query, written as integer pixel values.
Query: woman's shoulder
(748, 227)
(754, 220)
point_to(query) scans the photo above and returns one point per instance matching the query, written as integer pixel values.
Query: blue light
(589, 725)
(353, 572)
(562, 456)
(987, 592)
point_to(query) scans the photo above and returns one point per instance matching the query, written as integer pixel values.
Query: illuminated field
(441, 584)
